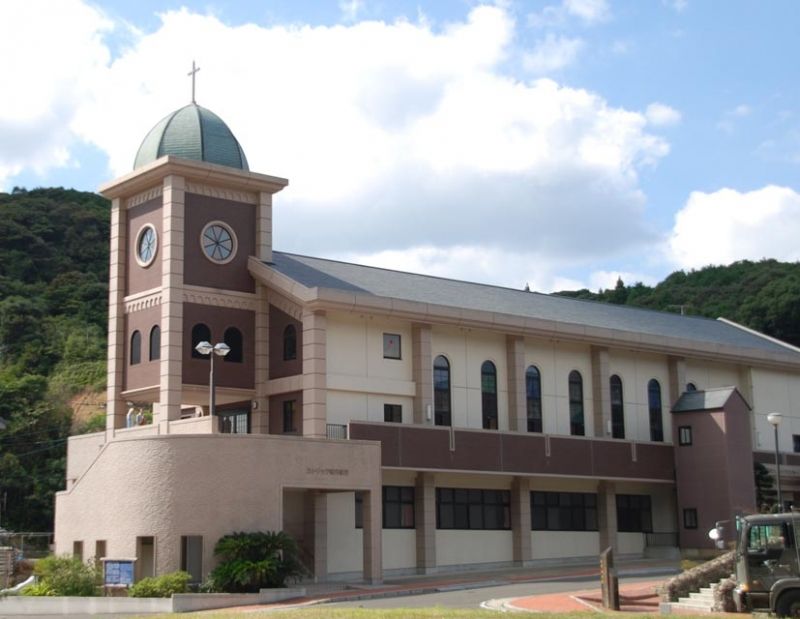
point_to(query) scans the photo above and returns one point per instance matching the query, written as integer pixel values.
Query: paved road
(472, 598)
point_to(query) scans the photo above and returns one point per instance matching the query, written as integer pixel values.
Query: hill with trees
(53, 320)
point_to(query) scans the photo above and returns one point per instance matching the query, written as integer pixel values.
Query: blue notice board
(118, 573)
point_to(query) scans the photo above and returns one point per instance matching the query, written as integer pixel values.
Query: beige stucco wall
(455, 547)
(709, 374)
(775, 391)
(636, 370)
(564, 544)
(630, 543)
(169, 486)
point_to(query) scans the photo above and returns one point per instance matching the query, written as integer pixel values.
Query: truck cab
(768, 564)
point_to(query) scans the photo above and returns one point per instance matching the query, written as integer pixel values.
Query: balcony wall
(426, 447)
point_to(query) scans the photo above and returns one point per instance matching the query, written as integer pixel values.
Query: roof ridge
(498, 287)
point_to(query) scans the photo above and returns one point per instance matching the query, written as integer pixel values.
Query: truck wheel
(788, 605)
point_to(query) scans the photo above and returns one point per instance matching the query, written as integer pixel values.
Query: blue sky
(560, 143)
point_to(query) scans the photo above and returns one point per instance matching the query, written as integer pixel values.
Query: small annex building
(393, 422)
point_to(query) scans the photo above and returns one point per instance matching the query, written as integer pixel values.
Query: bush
(697, 577)
(63, 576)
(160, 586)
(253, 561)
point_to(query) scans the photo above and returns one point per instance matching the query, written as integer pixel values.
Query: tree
(766, 495)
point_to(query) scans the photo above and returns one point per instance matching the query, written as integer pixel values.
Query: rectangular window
(459, 508)
(359, 504)
(398, 507)
(563, 511)
(796, 442)
(234, 422)
(288, 416)
(99, 550)
(634, 514)
(393, 413)
(685, 435)
(690, 518)
(77, 550)
(391, 346)
(192, 556)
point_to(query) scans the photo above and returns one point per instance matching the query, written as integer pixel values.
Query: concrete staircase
(697, 602)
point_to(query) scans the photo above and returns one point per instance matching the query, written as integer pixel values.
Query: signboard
(118, 572)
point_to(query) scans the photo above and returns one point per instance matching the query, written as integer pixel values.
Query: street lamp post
(775, 420)
(206, 348)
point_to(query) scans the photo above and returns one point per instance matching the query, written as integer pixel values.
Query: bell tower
(184, 225)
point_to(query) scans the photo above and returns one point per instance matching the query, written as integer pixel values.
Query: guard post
(609, 581)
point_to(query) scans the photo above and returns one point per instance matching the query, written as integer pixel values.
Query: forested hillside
(53, 299)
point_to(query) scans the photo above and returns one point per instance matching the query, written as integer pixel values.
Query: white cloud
(552, 53)
(728, 225)
(660, 115)
(400, 140)
(350, 9)
(604, 280)
(727, 123)
(52, 53)
(589, 12)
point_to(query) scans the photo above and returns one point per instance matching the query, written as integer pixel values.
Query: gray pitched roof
(711, 399)
(321, 273)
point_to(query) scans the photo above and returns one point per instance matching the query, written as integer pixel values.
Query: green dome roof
(192, 132)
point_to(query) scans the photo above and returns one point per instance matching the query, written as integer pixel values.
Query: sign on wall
(118, 572)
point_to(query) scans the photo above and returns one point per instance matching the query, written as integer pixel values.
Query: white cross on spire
(193, 72)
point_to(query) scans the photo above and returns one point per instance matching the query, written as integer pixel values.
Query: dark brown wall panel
(199, 270)
(278, 321)
(146, 373)
(218, 319)
(143, 278)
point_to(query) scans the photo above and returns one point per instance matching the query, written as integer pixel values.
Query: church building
(393, 422)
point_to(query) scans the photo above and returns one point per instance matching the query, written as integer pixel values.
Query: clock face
(391, 346)
(146, 245)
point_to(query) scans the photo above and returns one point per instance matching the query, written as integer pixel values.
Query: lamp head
(221, 349)
(204, 348)
(775, 419)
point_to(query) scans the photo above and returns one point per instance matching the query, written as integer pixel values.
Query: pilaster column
(517, 405)
(521, 520)
(259, 416)
(264, 227)
(607, 515)
(373, 529)
(425, 521)
(320, 500)
(677, 378)
(601, 392)
(422, 372)
(172, 243)
(115, 405)
(315, 380)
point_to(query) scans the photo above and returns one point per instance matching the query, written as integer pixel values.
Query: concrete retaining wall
(182, 602)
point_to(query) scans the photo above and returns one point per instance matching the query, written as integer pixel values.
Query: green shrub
(38, 589)
(160, 586)
(253, 561)
(64, 575)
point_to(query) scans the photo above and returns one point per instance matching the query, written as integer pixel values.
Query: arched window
(441, 392)
(233, 338)
(533, 393)
(489, 395)
(200, 333)
(576, 426)
(136, 347)
(289, 343)
(155, 343)
(691, 387)
(617, 408)
(654, 405)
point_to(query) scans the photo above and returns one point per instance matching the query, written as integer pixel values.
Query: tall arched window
(155, 343)
(576, 426)
(654, 405)
(200, 333)
(489, 395)
(233, 338)
(136, 347)
(441, 392)
(533, 393)
(289, 343)
(617, 408)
